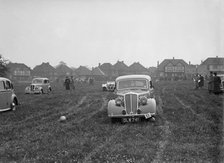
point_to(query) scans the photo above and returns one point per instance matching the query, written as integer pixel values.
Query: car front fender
(114, 110)
(149, 107)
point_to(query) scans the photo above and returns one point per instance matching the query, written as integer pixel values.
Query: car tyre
(13, 105)
(113, 120)
(122, 121)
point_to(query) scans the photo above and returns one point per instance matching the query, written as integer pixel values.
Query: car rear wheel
(13, 105)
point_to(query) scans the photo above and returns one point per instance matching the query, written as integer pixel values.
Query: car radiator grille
(131, 103)
(32, 87)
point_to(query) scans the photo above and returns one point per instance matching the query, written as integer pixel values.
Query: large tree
(3, 68)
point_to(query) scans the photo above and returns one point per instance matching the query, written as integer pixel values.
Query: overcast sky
(88, 32)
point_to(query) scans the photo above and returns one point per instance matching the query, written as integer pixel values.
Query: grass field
(188, 128)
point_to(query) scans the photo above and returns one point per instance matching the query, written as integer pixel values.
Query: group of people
(214, 83)
(69, 83)
(199, 81)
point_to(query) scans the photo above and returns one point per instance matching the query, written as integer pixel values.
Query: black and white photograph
(111, 81)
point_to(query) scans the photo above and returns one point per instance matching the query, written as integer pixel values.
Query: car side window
(2, 87)
(45, 81)
(7, 85)
(150, 84)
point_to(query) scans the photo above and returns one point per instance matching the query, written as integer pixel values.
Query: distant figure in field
(67, 83)
(72, 83)
(217, 83)
(210, 83)
(201, 81)
(91, 81)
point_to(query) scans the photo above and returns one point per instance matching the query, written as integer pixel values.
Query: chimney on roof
(189, 62)
(173, 58)
(99, 65)
(217, 57)
(157, 63)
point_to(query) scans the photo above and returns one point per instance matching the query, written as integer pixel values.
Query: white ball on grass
(62, 118)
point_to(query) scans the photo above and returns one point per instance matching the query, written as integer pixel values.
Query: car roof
(41, 78)
(134, 77)
(2, 78)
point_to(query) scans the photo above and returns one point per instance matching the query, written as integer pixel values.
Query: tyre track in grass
(185, 106)
(76, 109)
(108, 141)
(200, 117)
(104, 104)
(47, 115)
(99, 147)
(166, 132)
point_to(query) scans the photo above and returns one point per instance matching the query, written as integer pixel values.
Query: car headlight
(143, 100)
(119, 101)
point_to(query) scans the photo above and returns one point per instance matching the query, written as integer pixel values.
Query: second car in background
(38, 86)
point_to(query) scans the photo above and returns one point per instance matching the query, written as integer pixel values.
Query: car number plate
(131, 119)
(148, 115)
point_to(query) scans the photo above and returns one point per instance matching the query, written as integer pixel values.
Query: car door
(8, 93)
(3, 97)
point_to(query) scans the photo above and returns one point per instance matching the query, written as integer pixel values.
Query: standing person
(72, 83)
(210, 83)
(201, 81)
(67, 83)
(217, 82)
(91, 81)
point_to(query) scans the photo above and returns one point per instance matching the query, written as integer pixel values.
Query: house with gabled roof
(107, 69)
(98, 74)
(137, 68)
(212, 64)
(120, 68)
(172, 69)
(63, 70)
(19, 72)
(83, 71)
(45, 70)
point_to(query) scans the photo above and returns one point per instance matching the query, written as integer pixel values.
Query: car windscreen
(132, 84)
(36, 81)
